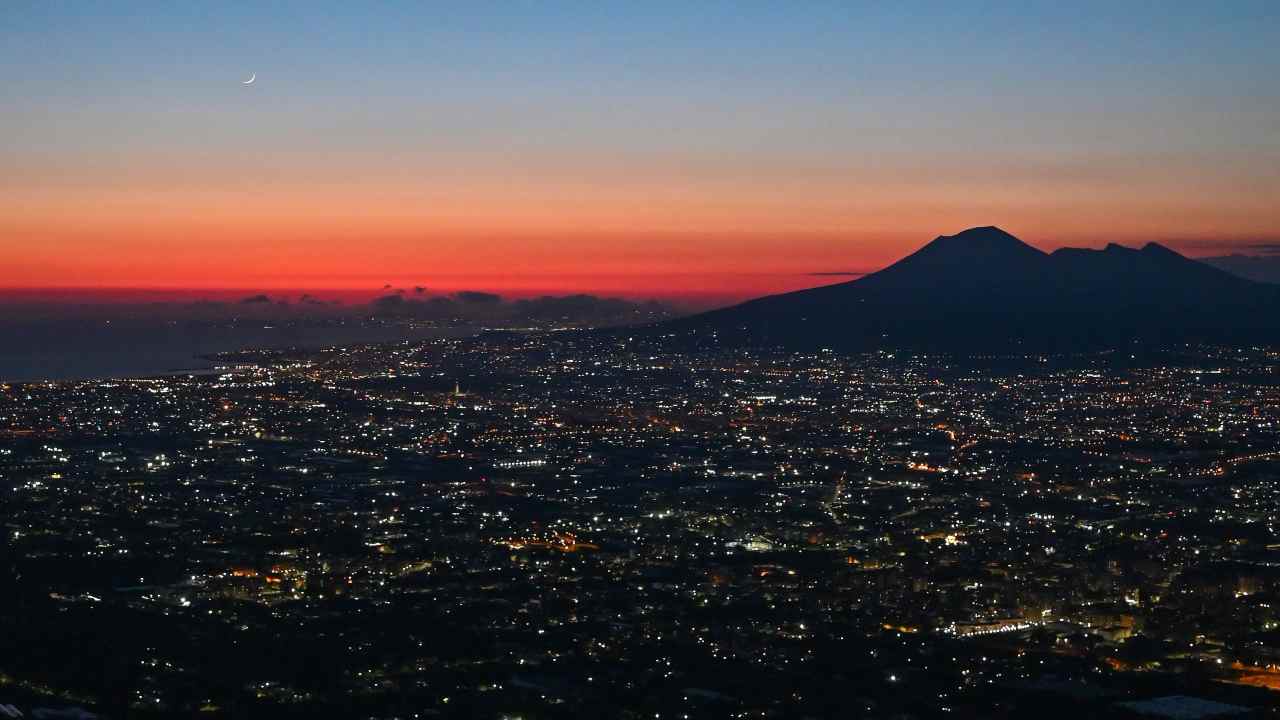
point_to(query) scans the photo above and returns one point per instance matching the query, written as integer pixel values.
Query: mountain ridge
(985, 287)
(1259, 268)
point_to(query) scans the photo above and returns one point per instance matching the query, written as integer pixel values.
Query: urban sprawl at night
(584, 524)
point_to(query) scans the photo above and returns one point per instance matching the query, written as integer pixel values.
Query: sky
(658, 149)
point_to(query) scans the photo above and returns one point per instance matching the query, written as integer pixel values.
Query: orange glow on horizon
(685, 157)
(660, 229)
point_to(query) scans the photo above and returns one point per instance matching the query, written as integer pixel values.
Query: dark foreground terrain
(570, 525)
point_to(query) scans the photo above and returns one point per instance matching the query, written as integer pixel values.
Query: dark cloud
(475, 297)
(1246, 245)
(436, 308)
(255, 299)
(588, 310)
(418, 290)
(475, 306)
(1259, 268)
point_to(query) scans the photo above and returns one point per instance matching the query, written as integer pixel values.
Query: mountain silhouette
(1260, 268)
(984, 289)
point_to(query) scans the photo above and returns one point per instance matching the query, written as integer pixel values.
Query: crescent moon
(252, 77)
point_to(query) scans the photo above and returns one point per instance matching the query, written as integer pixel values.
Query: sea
(84, 350)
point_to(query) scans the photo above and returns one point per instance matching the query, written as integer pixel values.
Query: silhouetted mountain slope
(986, 289)
(1259, 268)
